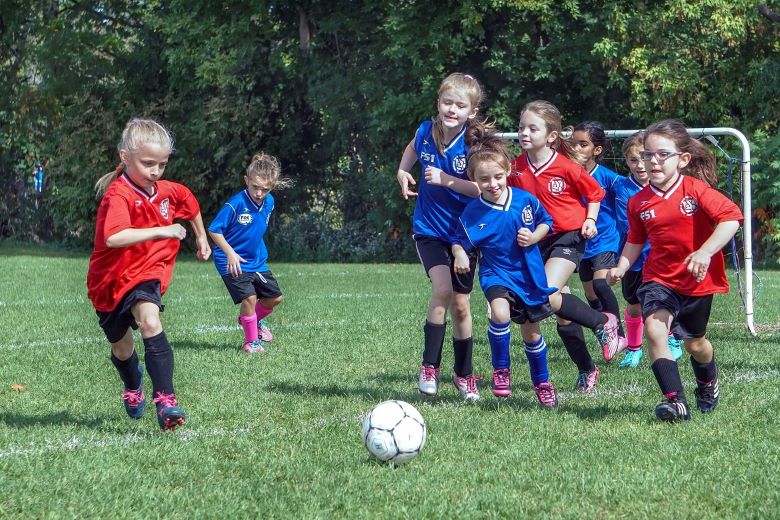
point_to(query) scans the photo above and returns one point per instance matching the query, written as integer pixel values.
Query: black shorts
(588, 266)
(519, 311)
(262, 285)
(630, 284)
(435, 251)
(569, 245)
(691, 313)
(116, 322)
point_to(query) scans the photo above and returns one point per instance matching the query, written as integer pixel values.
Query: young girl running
(560, 184)
(624, 190)
(240, 254)
(511, 272)
(687, 223)
(441, 145)
(136, 242)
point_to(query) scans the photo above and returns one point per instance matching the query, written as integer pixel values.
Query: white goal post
(747, 231)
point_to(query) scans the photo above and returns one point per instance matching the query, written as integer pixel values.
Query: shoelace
(709, 391)
(429, 373)
(133, 397)
(546, 393)
(471, 383)
(165, 400)
(501, 378)
(263, 325)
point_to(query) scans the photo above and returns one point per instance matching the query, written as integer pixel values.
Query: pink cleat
(502, 381)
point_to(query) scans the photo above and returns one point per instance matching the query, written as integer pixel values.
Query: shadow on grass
(593, 412)
(54, 419)
(203, 345)
(411, 395)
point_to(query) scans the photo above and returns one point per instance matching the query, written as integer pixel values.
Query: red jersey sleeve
(588, 187)
(187, 206)
(717, 206)
(117, 216)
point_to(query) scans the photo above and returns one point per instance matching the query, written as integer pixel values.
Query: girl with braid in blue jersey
(504, 224)
(441, 145)
(240, 254)
(601, 250)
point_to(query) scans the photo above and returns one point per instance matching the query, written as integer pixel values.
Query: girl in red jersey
(136, 242)
(560, 184)
(687, 223)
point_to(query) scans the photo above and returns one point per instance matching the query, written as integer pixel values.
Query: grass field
(277, 435)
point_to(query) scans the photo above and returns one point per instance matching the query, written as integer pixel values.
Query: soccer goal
(745, 285)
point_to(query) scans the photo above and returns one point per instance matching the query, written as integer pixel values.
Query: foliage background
(336, 90)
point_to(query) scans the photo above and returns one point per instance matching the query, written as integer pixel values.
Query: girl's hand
(525, 238)
(234, 262)
(614, 275)
(588, 229)
(698, 262)
(405, 179)
(461, 263)
(436, 177)
(176, 231)
(204, 249)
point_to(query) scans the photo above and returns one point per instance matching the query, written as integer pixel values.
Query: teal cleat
(676, 346)
(631, 359)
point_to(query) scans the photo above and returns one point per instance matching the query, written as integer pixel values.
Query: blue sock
(537, 361)
(499, 337)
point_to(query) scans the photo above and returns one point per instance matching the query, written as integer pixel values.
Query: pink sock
(249, 324)
(262, 311)
(635, 328)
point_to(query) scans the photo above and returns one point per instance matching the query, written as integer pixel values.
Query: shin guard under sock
(463, 353)
(434, 341)
(249, 324)
(608, 301)
(576, 310)
(537, 361)
(128, 370)
(667, 374)
(499, 337)
(635, 329)
(574, 340)
(705, 372)
(159, 363)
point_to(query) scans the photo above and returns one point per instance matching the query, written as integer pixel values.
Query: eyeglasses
(660, 156)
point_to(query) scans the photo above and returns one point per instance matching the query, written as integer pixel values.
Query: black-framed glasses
(660, 156)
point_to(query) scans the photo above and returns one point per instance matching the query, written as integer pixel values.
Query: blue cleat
(169, 416)
(676, 346)
(135, 401)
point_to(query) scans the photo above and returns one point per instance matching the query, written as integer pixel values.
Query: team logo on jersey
(556, 185)
(137, 203)
(245, 219)
(426, 157)
(688, 206)
(164, 205)
(481, 226)
(528, 215)
(459, 164)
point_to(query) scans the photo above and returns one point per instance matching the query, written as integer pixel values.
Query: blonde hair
(635, 141)
(551, 116)
(490, 149)
(267, 168)
(702, 164)
(137, 133)
(470, 87)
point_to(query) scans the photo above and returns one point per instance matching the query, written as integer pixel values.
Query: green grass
(277, 435)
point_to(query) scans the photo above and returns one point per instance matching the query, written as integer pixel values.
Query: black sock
(595, 304)
(434, 341)
(128, 370)
(608, 301)
(574, 341)
(668, 376)
(159, 363)
(463, 352)
(705, 372)
(576, 310)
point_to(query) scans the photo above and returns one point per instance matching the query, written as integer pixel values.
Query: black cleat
(707, 395)
(672, 409)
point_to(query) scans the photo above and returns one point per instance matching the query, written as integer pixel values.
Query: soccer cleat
(631, 359)
(611, 343)
(467, 386)
(254, 347)
(546, 394)
(587, 381)
(676, 347)
(672, 409)
(264, 332)
(428, 381)
(169, 416)
(135, 401)
(707, 395)
(502, 382)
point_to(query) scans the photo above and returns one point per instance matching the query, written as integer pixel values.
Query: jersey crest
(459, 163)
(245, 219)
(528, 215)
(164, 206)
(556, 186)
(688, 206)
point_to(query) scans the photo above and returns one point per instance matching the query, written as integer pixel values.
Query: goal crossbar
(747, 204)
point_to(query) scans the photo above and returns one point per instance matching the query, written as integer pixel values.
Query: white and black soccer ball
(394, 432)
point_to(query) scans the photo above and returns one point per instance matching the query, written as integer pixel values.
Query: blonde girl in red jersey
(546, 171)
(136, 242)
(687, 222)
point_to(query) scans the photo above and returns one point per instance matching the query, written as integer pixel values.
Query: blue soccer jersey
(243, 223)
(607, 239)
(492, 230)
(624, 190)
(438, 207)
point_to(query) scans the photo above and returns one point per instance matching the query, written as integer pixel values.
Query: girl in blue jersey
(627, 187)
(240, 254)
(441, 145)
(601, 250)
(504, 224)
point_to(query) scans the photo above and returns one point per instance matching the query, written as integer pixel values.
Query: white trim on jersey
(668, 193)
(502, 207)
(540, 169)
(455, 139)
(135, 187)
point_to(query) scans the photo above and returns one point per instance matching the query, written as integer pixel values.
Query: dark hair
(490, 148)
(702, 164)
(596, 135)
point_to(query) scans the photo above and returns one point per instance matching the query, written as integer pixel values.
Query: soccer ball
(394, 432)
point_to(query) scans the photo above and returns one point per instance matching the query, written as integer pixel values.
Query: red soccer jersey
(114, 271)
(560, 184)
(677, 222)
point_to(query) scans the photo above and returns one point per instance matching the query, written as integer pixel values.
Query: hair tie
(119, 169)
(468, 76)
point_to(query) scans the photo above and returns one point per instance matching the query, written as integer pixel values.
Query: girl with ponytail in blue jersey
(440, 145)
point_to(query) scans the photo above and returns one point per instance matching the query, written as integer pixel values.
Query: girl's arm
(403, 176)
(588, 229)
(699, 261)
(131, 236)
(461, 259)
(627, 258)
(201, 239)
(234, 260)
(436, 177)
(525, 238)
